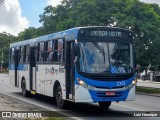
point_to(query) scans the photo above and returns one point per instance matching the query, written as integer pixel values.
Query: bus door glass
(32, 63)
(70, 70)
(16, 66)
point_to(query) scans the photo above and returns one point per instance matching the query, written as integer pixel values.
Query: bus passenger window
(55, 50)
(45, 52)
(27, 53)
(60, 50)
(41, 52)
(24, 58)
(50, 53)
(50, 57)
(12, 55)
(21, 54)
(38, 52)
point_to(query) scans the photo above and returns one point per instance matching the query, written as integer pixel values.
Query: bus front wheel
(104, 105)
(59, 99)
(25, 92)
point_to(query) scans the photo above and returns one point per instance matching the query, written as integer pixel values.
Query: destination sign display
(106, 33)
(91, 33)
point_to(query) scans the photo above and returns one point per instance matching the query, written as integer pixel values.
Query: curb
(149, 94)
(147, 81)
(147, 87)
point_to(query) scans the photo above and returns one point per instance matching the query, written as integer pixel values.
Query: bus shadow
(79, 109)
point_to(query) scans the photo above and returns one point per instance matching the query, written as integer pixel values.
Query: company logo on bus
(52, 71)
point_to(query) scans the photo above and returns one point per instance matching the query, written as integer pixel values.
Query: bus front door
(16, 68)
(32, 68)
(70, 71)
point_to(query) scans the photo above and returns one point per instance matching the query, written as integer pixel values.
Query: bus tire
(104, 105)
(59, 99)
(25, 92)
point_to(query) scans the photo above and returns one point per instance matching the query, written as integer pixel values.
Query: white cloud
(151, 1)
(54, 2)
(11, 19)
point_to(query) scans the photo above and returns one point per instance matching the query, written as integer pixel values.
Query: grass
(6, 72)
(147, 90)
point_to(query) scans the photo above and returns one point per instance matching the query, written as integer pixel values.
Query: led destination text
(106, 33)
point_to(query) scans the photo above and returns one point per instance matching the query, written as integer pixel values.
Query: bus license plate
(110, 93)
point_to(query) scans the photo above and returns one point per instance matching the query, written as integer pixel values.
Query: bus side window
(50, 57)
(55, 50)
(50, 53)
(60, 50)
(24, 54)
(38, 50)
(12, 55)
(41, 52)
(27, 53)
(45, 52)
(21, 54)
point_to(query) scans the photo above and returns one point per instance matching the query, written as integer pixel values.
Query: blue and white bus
(83, 64)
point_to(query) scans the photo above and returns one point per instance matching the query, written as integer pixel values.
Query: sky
(17, 15)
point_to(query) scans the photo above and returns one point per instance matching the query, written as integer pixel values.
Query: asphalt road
(117, 111)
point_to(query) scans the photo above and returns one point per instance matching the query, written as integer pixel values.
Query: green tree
(28, 33)
(142, 18)
(5, 40)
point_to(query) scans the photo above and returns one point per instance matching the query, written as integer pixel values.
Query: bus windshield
(100, 57)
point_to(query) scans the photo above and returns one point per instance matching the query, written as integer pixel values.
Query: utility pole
(1, 59)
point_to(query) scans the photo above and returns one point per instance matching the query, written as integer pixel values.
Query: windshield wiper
(100, 49)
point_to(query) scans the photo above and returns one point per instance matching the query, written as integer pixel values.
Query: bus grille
(109, 78)
(102, 87)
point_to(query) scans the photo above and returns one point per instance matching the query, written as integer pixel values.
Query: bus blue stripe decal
(20, 67)
(122, 95)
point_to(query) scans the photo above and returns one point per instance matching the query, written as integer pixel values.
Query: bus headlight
(134, 82)
(83, 84)
(131, 85)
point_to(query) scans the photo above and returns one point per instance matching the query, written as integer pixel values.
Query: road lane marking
(42, 106)
(128, 107)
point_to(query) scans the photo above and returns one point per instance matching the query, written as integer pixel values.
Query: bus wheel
(59, 99)
(25, 92)
(104, 105)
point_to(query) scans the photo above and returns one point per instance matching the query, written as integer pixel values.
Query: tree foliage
(142, 18)
(5, 40)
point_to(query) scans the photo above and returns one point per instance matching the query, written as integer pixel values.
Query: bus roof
(59, 35)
